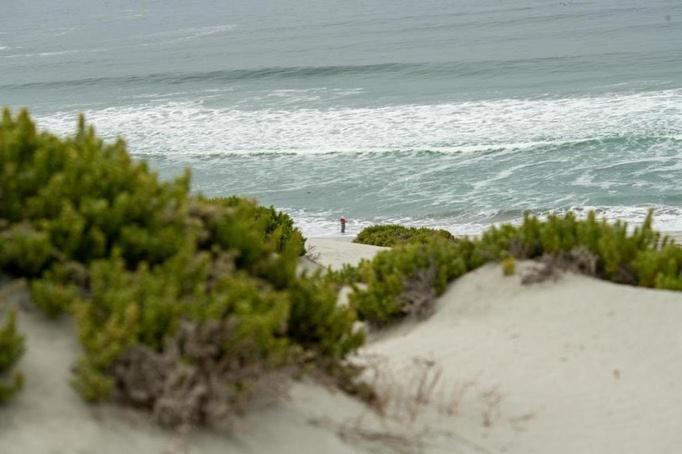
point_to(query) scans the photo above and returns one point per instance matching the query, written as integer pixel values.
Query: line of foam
(186, 129)
(319, 224)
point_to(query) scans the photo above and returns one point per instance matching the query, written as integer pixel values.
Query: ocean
(454, 114)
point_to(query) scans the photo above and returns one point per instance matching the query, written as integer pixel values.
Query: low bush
(508, 266)
(184, 305)
(24, 250)
(317, 322)
(402, 281)
(639, 256)
(53, 298)
(392, 235)
(346, 276)
(11, 349)
(407, 279)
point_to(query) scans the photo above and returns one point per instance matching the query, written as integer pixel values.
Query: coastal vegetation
(184, 305)
(508, 266)
(407, 279)
(11, 349)
(392, 235)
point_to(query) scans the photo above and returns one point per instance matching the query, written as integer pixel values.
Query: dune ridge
(565, 366)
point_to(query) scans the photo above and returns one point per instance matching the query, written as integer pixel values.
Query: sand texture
(335, 252)
(574, 365)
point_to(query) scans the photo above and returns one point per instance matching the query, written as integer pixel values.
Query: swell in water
(190, 128)
(457, 165)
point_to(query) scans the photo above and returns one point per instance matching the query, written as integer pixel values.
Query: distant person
(343, 221)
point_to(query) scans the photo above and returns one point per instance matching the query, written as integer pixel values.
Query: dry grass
(312, 254)
(550, 267)
(416, 410)
(491, 406)
(419, 294)
(189, 385)
(399, 398)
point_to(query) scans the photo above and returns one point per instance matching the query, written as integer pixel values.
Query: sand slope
(573, 366)
(335, 252)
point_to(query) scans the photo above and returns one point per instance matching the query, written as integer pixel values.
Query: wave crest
(190, 128)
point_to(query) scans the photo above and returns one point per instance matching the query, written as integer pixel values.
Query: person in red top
(343, 224)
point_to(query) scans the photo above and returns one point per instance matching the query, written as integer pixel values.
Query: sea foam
(186, 128)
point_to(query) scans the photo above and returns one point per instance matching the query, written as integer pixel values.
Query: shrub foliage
(407, 279)
(11, 349)
(392, 235)
(609, 251)
(183, 303)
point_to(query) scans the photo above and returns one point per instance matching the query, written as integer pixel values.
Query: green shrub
(53, 298)
(407, 279)
(508, 266)
(23, 250)
(90, 382)
(147, 307)
(11, 349)
(392, 235)
(318, 322)
(261, 240)
(87, 196)
(637, 257)
(347, 275)
(183, 304)
(607, 251)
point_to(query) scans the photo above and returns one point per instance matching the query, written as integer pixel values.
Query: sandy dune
(49, 417)
(573, 366)
(335, 252)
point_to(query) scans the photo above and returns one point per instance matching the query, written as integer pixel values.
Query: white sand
(335, 252)
(574, 366)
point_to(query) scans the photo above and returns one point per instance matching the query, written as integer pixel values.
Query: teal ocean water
(454, 114)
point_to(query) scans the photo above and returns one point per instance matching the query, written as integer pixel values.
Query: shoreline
(349, 237)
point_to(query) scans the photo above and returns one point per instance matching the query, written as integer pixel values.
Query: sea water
(455, 114)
